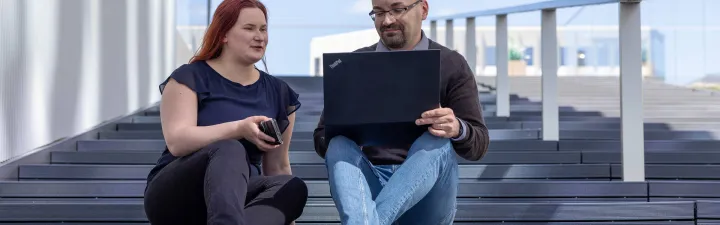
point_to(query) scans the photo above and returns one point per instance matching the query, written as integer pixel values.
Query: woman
(210, 172)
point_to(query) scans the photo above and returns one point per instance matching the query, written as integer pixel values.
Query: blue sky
(293, 23)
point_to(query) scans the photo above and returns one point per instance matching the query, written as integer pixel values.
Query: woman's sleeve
(293, 101)
(290, 103)
(190, 78)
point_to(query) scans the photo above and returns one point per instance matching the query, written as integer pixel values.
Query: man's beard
(393, 40)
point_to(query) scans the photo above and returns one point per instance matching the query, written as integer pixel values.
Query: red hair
(225, 17)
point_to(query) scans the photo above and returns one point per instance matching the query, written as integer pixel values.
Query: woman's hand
(249, 129)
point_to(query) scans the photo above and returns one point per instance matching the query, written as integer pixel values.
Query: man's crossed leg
(422, 190)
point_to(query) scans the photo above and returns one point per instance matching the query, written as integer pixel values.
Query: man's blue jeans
(422, 190)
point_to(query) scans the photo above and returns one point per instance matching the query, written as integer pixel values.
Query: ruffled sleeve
(189, 77)
(289, 104)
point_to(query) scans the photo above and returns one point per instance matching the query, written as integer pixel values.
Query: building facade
(583, 50)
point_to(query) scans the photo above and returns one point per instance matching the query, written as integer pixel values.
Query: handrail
(553, 4)
(630, 41)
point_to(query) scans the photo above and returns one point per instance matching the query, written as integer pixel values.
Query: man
(379, 186)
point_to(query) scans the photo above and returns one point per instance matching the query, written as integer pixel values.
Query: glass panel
(683, 42)
(191, 22)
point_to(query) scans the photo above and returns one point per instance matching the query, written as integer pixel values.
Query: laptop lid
(374, 98)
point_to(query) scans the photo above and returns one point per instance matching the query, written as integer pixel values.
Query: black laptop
(374, 98)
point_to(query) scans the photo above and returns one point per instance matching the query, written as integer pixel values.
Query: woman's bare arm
(277, 161)
(179, 122)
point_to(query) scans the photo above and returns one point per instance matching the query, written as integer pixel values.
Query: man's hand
(443, 122)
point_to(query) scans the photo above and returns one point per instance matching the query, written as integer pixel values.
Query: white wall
(68, 65)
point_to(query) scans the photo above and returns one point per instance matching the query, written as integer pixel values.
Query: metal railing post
(502, 81)
(549, 64)
(631, 92)
(470, 45)
(170, 38)
(433, 30)
(449, 34)
(208, 11)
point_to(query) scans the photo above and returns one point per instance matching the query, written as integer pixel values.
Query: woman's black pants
(214, 186)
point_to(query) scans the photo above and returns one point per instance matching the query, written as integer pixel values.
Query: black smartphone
(270, 128)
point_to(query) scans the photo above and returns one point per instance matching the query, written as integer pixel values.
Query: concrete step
(495, 134)
(473, 172)
(310, 157)
(497, 157)
(320, 189)
(324, 211)
(516, 145)
(564, 125)
(315, 172)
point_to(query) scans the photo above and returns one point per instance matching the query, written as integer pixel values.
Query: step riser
(471, 172)
(139, 172)
(326, 212)
(495, 134)
(499, 158)
(529, 145)
(564, 125)
(319, 189)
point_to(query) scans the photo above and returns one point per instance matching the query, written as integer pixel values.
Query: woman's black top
(221, 100)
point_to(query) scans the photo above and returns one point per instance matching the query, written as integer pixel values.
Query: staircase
(522, 179)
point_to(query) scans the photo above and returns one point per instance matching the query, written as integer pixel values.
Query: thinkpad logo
(333, 65)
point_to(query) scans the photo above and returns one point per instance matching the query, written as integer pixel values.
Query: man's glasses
(394, 11)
